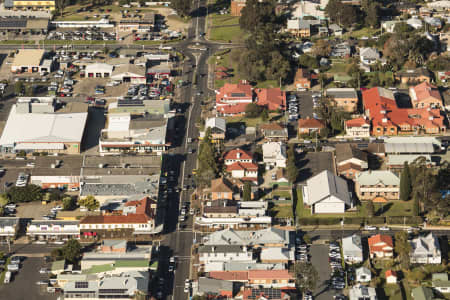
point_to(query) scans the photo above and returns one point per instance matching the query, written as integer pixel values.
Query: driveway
(23, 285)
(319, 259)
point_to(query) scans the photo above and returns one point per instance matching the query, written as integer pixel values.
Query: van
(7, 277)
(13, 267)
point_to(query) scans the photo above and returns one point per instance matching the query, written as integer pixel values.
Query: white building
(274, 154)
(225, 253)
(53, 230)
(8, 227)
(130, 73)
(369, 56)
(352, 249)
(98, 70)
(363, 274)
(326, 193)
(360, 292)
(425, 250)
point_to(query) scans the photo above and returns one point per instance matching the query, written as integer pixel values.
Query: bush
(21, 153)
(36, 153)
(409, 220)
(355, 220)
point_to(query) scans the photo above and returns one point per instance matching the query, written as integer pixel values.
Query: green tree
(182, 7)
(18, 87)
(405, 183)
(370, 209)
(253, 110)
(416, 208)
(247, 194)
(373, 15)
(291, 165)
(69, 203)
(322, 48)
(4, 199)
(56, 254)
(264, 115)
(89, 202)
(307, 238)
(207, 165)
(417, 275)
(306, 276)
(402, 248)
(28, 193)
(71, 251)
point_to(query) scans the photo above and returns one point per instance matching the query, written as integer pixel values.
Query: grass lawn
(392, 208)
(268, 84)
(368, 32)
(16, 42)
(282, 194)
(249, 122)
(232, 33)
(2, 275)
(178, 18)
(224, 20)
(338, 68)
(284, 211)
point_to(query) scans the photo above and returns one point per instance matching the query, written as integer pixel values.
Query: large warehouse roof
(28, 57)
(43, 128)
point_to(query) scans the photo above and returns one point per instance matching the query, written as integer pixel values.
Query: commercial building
(326, 193)
(9, 227)
(425, 95)
(269, 237)
(388, 119)
(98, 70)
(138, 134)
(130, 73)
(29, 61)
(232, 99)
(48, 5)
(412, 145)
(23, 25)
(57, 172)
(140, 107)
(36, 132)
(53, 230)
(144, 24)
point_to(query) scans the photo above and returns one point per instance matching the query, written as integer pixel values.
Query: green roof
(99, 269)
(131, 263)
(58, 265)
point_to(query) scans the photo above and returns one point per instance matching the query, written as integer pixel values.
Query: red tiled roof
(232, 109)
(242, 166)
(390, 273)
(377, 239)
(358, 122)
(233, 154)
(426, 90)
(310, 123)
(273, 98)
(380, 105)
(269, 274)
(302, 73)
(229, 275)
(122, 219)
(229, 89)
(221, 68)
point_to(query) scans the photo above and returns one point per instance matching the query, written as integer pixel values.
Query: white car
(40, 242)
(187, 283)
(186, 289)
(385, 228)
(370, 227)
(43, 271)
(59, 242)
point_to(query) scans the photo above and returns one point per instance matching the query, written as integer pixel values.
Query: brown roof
(121, 219)
(310, 123)
(271, 126)
(348, 166)
(221, 185)
(347, 151)
(220, 209)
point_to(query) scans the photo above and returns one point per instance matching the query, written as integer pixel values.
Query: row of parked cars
(293, 107)
(12, 267)
(337, 271)
(79, 35)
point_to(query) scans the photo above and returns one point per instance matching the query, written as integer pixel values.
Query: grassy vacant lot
(224, 20)
(229, 33)
(367, 32)
(16, 42)
(249, 122)
(281, 194)
(284, 211)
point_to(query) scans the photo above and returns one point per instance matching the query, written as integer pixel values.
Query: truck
(7, 277)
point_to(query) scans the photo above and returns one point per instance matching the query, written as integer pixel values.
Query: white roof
(28, 57)
(376, 177)
(216, 123)
(362, 271)
(276, 253)
(326, 184)
(352, 244)
(119, 122)
(369, 52)
(274, 149)
(37, 128)
(99, 67)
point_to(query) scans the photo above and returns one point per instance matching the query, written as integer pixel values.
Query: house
(413, 76)
(372, 184)
(269, 237)
(352, 249)
(126, 286)
(232, 99)
(440, 282)
(222, 189)
(274, 132)
(133, 133)
(422, 293)
(415, 23)
(389, 26)
(137, 221)
(216, 288)
(308, 8)
(350, 161)
(363, 274)
(237, 155)
(357, 128)
(276, 255)
(237, 6)
(369, 56)
(361, 292)
(98, 70)
(342, 50)
(391, 277)
(425, 250)
(53, 230)
(308, 126)
(223, 253)
(32, 5)
(244, 171)
(433, 21)
(29, 61)
(344, 98)
(388, 119)
(250, 293)
(381, 246)
(274, 154)
(271, 98)
(218, 129)
(326, 193)
(425, 95)
(299, 28)
(9, 227)
(336, 29)
(396, 162)
(302, 79)
(39, 132)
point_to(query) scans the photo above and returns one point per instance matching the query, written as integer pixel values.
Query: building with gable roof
(274, 154)
(373, 184)
(271, 98)
(381, 246)
(274, 132)
(350, 160)
(425, 95)
(326, 193)
(363, 274)
(359, 292)
(357, 128)
(269, 237)
(391, 276)
(425, 250)
(308, 126)
(388, 119)
(440, 282)
(232, 99)
(352, 249)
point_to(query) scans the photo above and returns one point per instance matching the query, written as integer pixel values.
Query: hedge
(319, 221)
(407, 220)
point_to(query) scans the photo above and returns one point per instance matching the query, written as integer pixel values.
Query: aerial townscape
(224, 149)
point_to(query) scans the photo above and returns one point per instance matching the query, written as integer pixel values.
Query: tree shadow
(383, 209)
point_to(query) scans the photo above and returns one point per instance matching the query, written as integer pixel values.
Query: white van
(13, 267)
(7, 277)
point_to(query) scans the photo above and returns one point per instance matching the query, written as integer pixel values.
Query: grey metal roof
(220, 249)
(9, 3)
(408, 148)
(342, 93)
(6, 221)
(327, 184)
(209, 285)
(54, 222)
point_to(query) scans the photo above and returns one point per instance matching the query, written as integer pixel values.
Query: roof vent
(430, 118)
(101, 166)
(384, 120)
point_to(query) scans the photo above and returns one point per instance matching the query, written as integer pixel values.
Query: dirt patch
(173, 21)
(86, 87)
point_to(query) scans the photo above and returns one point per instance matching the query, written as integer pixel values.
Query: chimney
(238, 155)
(384, 120)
